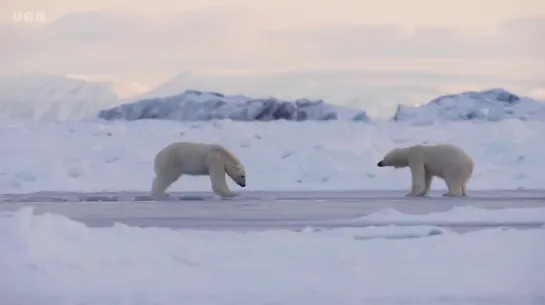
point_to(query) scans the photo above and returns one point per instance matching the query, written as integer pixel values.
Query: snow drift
(487, 105)
(51, 260)
(193, 105)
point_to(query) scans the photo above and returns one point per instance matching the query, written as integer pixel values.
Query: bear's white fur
(427, 161)
(197, 159)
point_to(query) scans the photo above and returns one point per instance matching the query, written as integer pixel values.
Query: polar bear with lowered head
(197, 159)
(427, 161)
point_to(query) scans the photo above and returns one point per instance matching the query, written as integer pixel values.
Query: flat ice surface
(269, 210)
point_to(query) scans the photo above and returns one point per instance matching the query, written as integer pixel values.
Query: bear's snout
(380, 164)
(242, 184)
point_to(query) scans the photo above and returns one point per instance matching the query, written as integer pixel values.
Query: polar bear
(197, 159)
(426, 161)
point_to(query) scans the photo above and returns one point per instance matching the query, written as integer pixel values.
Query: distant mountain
(193, 105)
(171, 87)
(53, 97)
(58, 97)
(488, 105)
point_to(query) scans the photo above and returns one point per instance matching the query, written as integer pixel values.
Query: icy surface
(333, 155)
(53, 97)
(194, 105)
(291, 210)
(488, 105)
(52, 260)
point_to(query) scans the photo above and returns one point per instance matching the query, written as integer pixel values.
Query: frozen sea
(279, 210)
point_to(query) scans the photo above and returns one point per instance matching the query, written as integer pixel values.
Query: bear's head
(236, 172)
(398, 157)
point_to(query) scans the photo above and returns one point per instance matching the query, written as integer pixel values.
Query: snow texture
(487, 105)
(194, 105)
(96, 156)
(51, 260)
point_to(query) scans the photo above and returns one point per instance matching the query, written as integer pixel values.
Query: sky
(356, 52)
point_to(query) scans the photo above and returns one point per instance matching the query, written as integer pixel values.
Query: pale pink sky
(435, 45)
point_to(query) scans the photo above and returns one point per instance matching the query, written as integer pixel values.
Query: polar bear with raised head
(427, 161)
(197, 159)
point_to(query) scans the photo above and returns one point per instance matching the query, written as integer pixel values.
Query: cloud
(518, 38)
(216, 37)
(92, 42)
(131, 29)
(347, 58)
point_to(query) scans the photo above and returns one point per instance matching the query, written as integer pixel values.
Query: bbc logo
(29, 16)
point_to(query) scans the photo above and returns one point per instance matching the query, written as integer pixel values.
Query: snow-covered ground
(335, 155)
(51, 260)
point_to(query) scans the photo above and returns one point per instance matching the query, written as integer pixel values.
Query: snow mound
(53, 97)
(193, 105)
(123, 265)
(487, 105)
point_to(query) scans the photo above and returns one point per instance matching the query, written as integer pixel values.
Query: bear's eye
(242, 176)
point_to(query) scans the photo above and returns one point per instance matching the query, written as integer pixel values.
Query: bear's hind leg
(161, 184)
(428, 178)
(464, 190)
(455, 188)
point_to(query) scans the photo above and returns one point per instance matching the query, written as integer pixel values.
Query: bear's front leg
(428, 178)
(418, 177)
(216, 170)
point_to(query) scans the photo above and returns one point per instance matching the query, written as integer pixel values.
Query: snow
(488, 105)
(194, 105)
(95, 156)
(458, 215)
(51, 260)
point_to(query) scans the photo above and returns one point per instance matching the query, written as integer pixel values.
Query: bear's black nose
(380, 164)
(242, 184)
